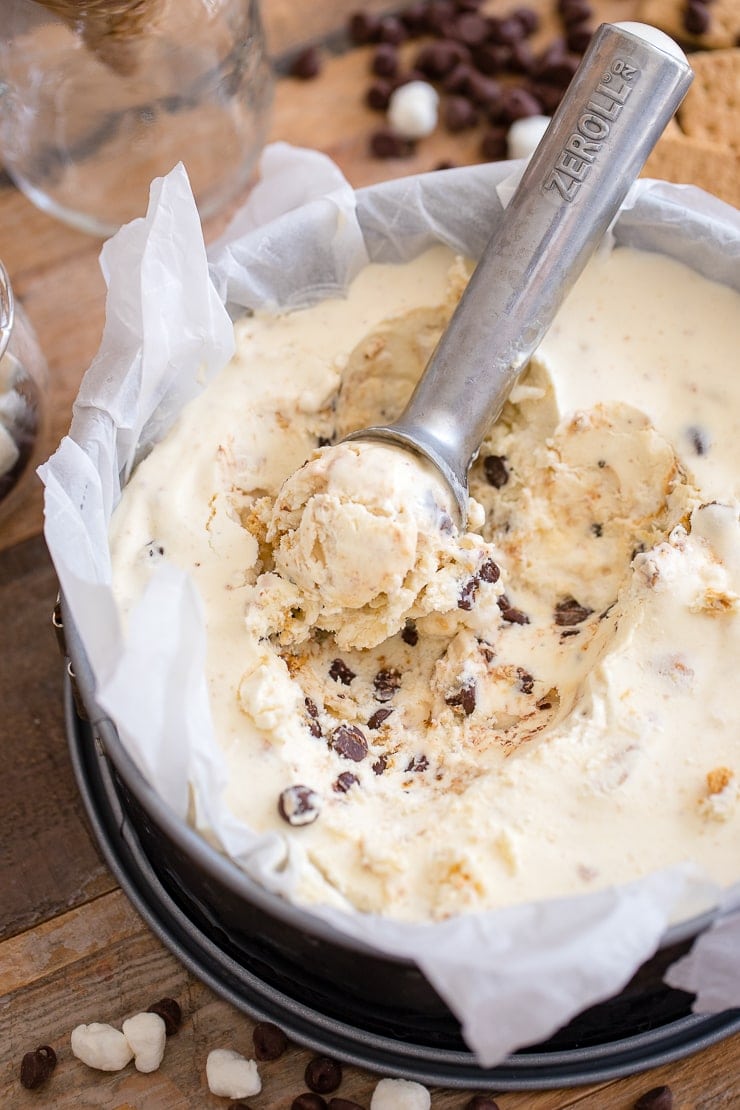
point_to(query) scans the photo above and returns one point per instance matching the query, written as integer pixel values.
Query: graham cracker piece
(668, 15)
(686, 161)
(711, 110)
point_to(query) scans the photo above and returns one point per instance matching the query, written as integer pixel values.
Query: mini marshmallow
(101, 1046)
(525, 134)
(146, 1034)
(412, 110)
(400, 1094)
(231, 1075)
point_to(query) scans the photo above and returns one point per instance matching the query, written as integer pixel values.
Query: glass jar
(23, 383)
(97, 99)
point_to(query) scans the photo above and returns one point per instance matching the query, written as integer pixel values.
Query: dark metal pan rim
(317, 1030)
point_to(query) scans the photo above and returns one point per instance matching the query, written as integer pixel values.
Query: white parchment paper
(512, 976)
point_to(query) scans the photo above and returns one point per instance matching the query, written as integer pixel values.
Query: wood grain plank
(47, 858)
(100, 963)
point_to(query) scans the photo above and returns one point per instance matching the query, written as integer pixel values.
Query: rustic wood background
(71, 947)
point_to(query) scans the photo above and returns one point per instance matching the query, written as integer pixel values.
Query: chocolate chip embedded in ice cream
(299, 805)
(349, 742)
(385, 684)
(569, 612)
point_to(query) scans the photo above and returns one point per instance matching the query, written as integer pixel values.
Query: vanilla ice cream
(438, 721)
(365, 534)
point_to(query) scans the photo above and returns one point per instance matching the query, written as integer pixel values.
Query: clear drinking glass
(97, 99)
(23, 384)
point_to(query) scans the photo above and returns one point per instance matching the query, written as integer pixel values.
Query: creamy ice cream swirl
(365, 533)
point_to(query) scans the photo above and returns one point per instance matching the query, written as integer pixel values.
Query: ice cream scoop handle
(620, 100)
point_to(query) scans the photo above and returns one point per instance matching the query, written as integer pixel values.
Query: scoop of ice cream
(351, 525)
(364, 534)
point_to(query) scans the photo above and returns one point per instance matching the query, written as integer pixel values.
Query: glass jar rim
(7, 309)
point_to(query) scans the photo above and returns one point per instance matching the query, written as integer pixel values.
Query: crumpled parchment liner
(511, 976)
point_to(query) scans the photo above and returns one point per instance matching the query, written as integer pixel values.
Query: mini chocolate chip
(170, 1013)
(340, 672)
(386, 682)
(307, 64)
(493, 145)
(323, 441)
(559, 71)
(481, 1102)
(699, 440)
(544, 704)
(380, 763)
(414, 18)
(323, 1074)
(446, 523)
(515, 616)
(299, 805)
(313, 725)
(464, 698)
(517, 104)
(37, 1066)
(378, 717)
(525, 680)
(392, 30)
(343, 783)
(470, 28)
(569, 612)
(575, 11)
(308, 1101)
(349, 742)
(387, 144)
(570, 632)
(657, 1098)
(696, 18)
(418, 763)
(458, 79)
(385, 60)
(438, 15)
(491, 59)
(528, 18)
(343, 1104)
(601, 463)
(458, 114)
(505, 31)
(437, 59)
(446, 165)
(510, 613)
(522, 59)
(489, 571)
(378, 95)
(363, 27)
(597, 529)
(496, 470)
(409, 633)
(549, 96)
(578, 37)
(485, 91)
(467, 593)
(270, 1042)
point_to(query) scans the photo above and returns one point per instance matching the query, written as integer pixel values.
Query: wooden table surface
(72, 949)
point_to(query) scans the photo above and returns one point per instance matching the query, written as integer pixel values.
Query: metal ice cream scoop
(629, 84)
